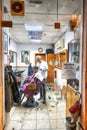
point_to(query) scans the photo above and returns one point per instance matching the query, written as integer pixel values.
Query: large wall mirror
(13, 58)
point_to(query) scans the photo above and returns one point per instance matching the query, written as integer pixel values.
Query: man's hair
(35, 67)
(38, 57)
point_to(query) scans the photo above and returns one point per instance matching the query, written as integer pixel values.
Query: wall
(68, 36)
(32, 48)
(5, 55)
(12, 46)
(64, 40)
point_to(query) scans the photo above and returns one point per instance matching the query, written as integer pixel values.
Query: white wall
(12, 46)
(32, 48)
(68, 36)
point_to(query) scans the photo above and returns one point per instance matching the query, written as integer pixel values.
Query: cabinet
(51, 65)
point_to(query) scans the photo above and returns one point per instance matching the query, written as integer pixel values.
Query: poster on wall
(11, 54)
(68, 70)
(25, 56)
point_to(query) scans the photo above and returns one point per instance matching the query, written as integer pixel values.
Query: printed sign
(68, 70)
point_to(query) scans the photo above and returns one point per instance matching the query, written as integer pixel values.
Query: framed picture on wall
(11, 56)
(25, 56)
(5, 43)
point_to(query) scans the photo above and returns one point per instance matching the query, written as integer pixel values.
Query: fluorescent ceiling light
(33, 40)
(33, 27)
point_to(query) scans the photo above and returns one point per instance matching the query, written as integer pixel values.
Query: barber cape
(39, 76)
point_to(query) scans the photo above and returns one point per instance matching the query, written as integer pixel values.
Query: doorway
(43, 56)
(29, 111)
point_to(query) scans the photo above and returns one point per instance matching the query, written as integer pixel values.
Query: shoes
(39, 98)
(44, 102)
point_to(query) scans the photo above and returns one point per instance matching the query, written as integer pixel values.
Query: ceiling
(44, 13)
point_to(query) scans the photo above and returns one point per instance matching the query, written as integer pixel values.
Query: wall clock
(40, 49)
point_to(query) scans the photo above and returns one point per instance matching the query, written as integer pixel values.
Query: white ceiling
(45, 14)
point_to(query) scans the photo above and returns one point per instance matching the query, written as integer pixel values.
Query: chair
(29, 91)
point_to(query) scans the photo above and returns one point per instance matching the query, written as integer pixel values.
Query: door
(51, 62)
(51, 65)
(43, 56)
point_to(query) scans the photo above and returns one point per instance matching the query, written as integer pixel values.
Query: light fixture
(33, 27)
(35, 41)
(57, 25)
(35, 3)
(75, 20)
(35, 32)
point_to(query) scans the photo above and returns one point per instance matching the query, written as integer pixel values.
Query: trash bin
(70, 124)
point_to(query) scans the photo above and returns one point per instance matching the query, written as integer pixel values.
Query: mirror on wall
(13, 58)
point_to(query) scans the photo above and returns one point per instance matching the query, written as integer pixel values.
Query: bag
(8, 91)
(75, 110)
(14, 87)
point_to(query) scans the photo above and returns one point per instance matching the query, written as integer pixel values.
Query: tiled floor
(50, 116)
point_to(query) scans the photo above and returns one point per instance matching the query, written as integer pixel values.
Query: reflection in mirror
(13, 58)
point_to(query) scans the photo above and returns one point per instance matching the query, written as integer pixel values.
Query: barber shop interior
(43, 64)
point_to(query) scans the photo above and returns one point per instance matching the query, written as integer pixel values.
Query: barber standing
(43, 68)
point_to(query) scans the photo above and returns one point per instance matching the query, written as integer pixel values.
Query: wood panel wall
(84, 68)
(1, 91)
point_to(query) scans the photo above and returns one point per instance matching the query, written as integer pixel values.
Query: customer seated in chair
(35, 78)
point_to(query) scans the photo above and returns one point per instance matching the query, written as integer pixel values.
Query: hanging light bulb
(74, 19)
(73, 22)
